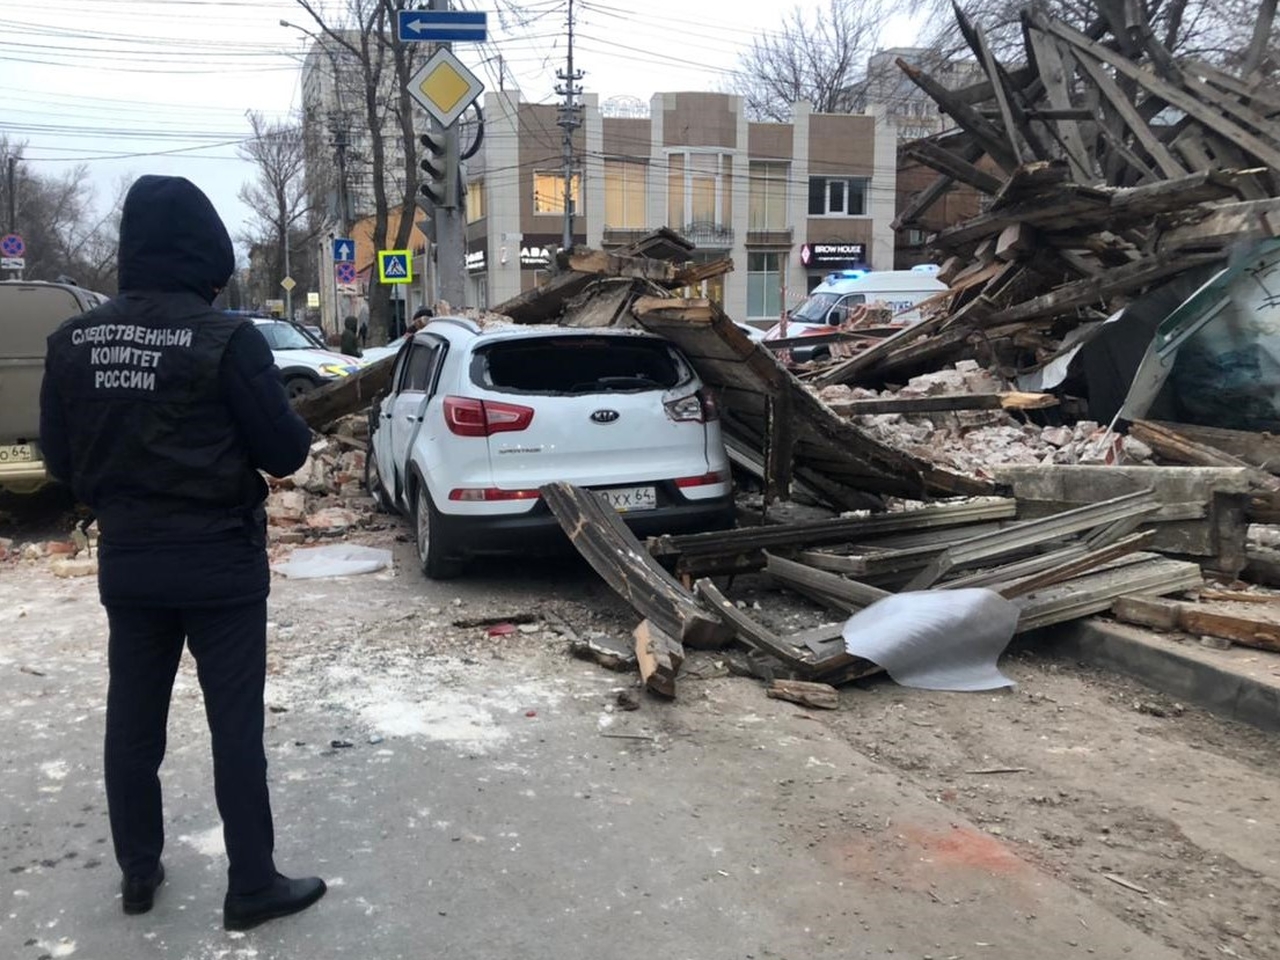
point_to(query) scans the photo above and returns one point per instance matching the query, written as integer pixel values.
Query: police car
(304, 364)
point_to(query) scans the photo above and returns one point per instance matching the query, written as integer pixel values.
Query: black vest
(156, 454)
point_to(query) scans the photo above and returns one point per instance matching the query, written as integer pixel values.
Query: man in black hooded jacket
(160, 411)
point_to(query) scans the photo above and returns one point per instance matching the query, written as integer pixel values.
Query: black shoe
(285, 896)
(140, 892)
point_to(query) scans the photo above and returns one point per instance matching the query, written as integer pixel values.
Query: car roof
(884, 280)
(464, 329)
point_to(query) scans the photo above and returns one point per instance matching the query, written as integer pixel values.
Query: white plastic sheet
(936, 639)
(333, 560)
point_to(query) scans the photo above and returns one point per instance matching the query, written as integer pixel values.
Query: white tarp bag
(333, 560)
(936, 639)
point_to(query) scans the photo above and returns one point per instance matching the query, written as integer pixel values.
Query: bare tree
(383, 68)
(66, 236)
(1228, 33)
(814, 57)
(278, 199)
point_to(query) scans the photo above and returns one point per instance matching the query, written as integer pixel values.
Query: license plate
(17, 453)
(626, 499)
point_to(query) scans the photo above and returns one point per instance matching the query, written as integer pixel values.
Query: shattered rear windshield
(577, 365)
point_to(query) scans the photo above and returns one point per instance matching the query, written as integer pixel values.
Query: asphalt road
(469, 796)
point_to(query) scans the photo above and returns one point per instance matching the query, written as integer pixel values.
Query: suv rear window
(572, 365)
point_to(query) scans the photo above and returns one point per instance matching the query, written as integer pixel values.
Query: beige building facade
(789, 203)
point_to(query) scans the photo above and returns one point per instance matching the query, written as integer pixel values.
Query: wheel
(373, 483)
(433, 550)
(296, 387)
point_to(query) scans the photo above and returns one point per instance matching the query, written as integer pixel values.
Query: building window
(625, 194)
(764, 284)
(481, 291)
(475, 201)
(548, 193)
(768, 195)
(838, 196)
(698, 188)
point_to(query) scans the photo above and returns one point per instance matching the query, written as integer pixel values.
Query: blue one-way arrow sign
(344, 250)
(442, 26)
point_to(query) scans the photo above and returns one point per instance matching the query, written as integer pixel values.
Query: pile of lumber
(1108, 166)
(1070, 564)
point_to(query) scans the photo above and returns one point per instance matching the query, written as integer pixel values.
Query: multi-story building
(789, 202)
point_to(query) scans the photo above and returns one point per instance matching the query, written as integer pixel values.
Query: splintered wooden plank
(1074, 566)
(750, 631)
(600, 535)
(821, 696)
(1095, 592)
(659, 656)
(1029, 533)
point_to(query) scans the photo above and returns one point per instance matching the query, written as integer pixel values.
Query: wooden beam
(820, 696)
(1173, 446)
(1053, 73)
(983, 132)
(659, 656)
(1186, 102)
(1246, 626)
(1119, 280)
(977, 43)
(347, 395)
(962, 401)
(955, 166)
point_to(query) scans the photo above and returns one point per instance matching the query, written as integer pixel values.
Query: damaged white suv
(478, 418)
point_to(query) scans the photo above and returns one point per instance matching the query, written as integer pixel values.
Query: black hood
(172, 239)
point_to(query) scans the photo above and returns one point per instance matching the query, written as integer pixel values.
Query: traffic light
(441, 169)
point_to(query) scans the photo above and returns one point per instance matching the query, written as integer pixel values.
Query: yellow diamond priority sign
(444, 87)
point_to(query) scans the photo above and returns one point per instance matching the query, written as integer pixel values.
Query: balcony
(770, 238)
(623, 236)
(708, 235)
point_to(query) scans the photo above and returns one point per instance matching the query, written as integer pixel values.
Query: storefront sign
(833, 254)
(476, 260)
(539, 257)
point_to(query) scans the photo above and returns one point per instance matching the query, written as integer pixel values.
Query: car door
(403, 412)
(380, 428)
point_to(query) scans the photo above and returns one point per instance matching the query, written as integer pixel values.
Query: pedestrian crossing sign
(394, 266)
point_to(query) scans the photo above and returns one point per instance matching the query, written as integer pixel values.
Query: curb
(1226, 682)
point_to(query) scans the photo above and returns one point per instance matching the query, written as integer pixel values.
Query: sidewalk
(1239, 683)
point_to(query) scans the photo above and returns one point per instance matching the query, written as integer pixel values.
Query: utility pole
(450, 216)
(11, 178)
(570, 120)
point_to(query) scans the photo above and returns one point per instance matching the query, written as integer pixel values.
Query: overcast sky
(162, 86)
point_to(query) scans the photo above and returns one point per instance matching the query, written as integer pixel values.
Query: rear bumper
(539, 531)
(25, 477)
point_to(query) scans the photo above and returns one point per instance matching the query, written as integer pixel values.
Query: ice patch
(445, 718)
(63, 948)
(208, 842)
(55, 770)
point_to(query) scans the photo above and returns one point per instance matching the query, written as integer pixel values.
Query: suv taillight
(467, 417)
(697, 407)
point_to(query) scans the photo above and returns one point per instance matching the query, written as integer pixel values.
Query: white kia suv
(478, 418)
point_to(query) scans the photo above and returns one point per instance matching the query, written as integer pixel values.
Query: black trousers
(229, 645)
